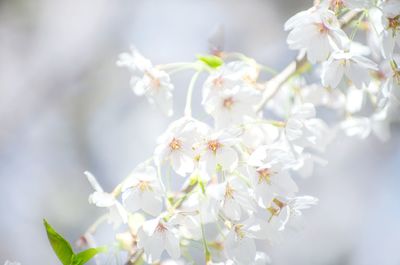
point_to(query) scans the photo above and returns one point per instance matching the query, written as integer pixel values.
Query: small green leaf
(86, 255)
(211, 60)
(60, 246)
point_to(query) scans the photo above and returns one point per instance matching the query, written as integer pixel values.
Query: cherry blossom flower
(233, 197)
(231, 106)
(142, 190)
(117, 214)
(217, 150)
(205, 204)
(176, 145)
(155, 236)
(391, 24)
(269, 181)
(239, 244)
(257, 133)
(347, 63)
(281, 210)
(236, 73)
(148, 80)
(316, 30)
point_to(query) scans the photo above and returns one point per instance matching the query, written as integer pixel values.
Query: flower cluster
(234, 181)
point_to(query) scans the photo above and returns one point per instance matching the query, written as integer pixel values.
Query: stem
(188, 106)
(273, 85)
(92, 229)
(354, 32)
(171, 66)
(207, 253)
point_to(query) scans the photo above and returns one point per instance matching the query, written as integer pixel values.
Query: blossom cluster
(234, 180)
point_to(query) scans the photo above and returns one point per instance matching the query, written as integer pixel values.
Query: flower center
(394, 23)
(218, 82)
(175, 144)
(155, 82)
(239, 231)
(228, 103)
(161, 228)
(337, 4)
(213, 145)
(322, 28)
(264, 175)
(229, 191)
(275, 208)
(143, 185)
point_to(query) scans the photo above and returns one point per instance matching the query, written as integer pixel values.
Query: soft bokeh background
(65, 108)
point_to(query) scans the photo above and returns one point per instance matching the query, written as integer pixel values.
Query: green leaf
(211, 60)
(86, 255)
(60, 246)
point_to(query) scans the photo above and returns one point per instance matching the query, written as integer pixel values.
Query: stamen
(218, 82)
(175, 144)
(322, 28)
(213, 145)
(144, 186)
(229, 191)
(264, 175)
(228, 103)
(239, 231)
(161, 228)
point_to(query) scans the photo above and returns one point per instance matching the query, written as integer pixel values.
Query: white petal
(151, 203)
(154, 248)
(332, 73)
(131, 200)
(102, 199)
(227, 158)
(181, 163)
(172, 245)
(232, 209)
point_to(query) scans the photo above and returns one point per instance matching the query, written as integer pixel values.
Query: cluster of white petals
(11, 263)
(234, 181)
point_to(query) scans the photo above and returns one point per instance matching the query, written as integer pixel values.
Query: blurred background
(65, 108)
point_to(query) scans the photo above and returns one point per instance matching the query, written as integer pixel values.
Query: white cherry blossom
(176, 145)
(117, 214)
(142, 190)
(148, 80)
(231, 106)
(233, 196)
(240, 243)
(269, 181)
(155, 236)
(281, 210)
(217, 149)
(257, 133)
(228, 76)
(347, 63)
(317, 31)
(391, 24)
